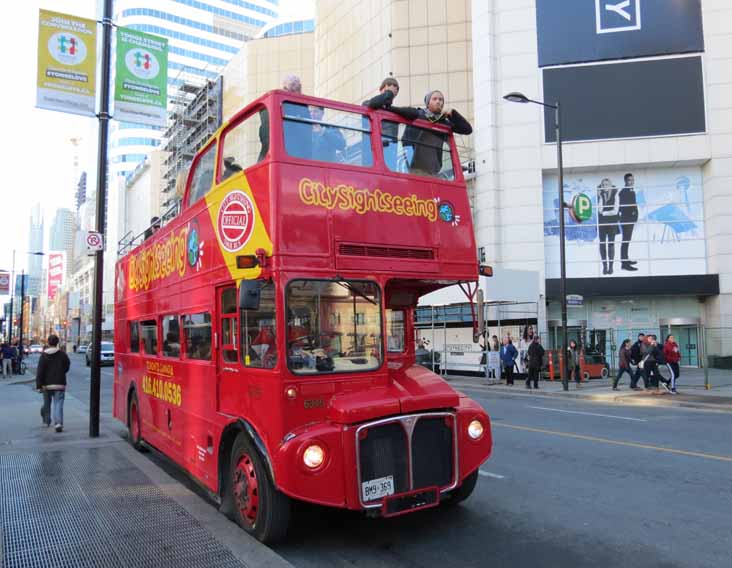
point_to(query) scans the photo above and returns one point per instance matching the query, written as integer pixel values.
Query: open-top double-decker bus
(264, 337)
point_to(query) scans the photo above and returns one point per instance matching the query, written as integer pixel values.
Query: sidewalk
(70, 500)
(692, 393)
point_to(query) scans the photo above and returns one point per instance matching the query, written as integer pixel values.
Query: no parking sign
(94, 242)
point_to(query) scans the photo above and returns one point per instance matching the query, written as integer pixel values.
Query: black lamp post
(521, 98)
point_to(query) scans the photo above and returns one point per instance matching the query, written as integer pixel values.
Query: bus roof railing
(129, 241)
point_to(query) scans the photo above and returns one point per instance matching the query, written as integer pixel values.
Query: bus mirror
(249, 294)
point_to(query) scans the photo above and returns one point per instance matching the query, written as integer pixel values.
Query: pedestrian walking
(672, 355)
(508, 354)
(573, 365)
(536, 362)
(7, 352)
(51, 377)
(624, 357)
(654, 358)
(637, 353)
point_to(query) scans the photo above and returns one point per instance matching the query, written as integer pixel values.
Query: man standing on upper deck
(429, 145)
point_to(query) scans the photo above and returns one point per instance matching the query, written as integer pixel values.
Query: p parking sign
(581, 208)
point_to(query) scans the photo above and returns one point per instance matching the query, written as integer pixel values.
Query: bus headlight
(475, 430)
(313, 456)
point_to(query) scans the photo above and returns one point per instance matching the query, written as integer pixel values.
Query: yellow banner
(67, 63)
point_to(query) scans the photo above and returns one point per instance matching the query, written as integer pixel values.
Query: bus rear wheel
(464, 491)
(251, 498)
(134, 433)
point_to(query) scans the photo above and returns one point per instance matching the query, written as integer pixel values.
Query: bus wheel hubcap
(246, 489)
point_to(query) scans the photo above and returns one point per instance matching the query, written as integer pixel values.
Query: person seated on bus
(328, 141)
(153, 228)
(429, 146)
(171, 345)
(296, 124)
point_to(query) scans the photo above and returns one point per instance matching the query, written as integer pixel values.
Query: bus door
(228, 360)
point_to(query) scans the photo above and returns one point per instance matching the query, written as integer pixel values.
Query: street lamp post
(521, 98)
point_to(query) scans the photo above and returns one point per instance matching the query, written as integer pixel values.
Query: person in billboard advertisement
(628, 216)
(608, 205)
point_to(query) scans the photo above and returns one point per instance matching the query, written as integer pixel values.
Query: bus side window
(197, 330)
(149, 333)
(395, 331)
(259, 338)
(246, 144)
(202, 177)
(416, 150)
(134, 337)
(171, 336)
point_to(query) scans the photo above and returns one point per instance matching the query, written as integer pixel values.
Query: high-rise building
(203, 37)
(35, 244)
(61, 236)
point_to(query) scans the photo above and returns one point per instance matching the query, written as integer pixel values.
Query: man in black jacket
(636, 355)
(536, 362)
(51, 377)
(628, 216)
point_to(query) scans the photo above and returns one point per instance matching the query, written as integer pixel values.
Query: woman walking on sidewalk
(573, 364)
(51, 377)
(623, 364)
(673, 356)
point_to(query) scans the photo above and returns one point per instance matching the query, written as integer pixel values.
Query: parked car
(35, 348)
(82, 348)
(106, 354)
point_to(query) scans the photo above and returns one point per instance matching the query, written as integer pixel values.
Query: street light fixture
(521, 98)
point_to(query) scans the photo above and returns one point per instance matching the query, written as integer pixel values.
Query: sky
(36, 153)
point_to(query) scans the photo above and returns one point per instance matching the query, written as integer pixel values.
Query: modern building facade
(35, 244)
(61, 236)
(647, 129)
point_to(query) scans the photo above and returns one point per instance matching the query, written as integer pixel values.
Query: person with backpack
(673, 356)
(536, 362)
(624, 357)
(51, 377)
(636, 356)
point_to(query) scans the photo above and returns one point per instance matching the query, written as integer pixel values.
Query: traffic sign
(94, 242)
(575, 300)
(581, 208)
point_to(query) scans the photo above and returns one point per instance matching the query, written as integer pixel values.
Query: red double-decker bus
(264, 337)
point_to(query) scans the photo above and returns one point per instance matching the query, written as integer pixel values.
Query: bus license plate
(377, 488)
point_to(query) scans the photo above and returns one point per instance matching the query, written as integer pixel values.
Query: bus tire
(250, 497)
(134, 430)
(464, 491)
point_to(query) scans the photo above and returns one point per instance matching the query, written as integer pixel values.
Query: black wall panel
(629, 99)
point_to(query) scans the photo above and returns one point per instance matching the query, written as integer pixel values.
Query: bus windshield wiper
(348, 286)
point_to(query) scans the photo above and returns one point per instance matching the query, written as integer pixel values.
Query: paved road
(564, 488)
(569, 484)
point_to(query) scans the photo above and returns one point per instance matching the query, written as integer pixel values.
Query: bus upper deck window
(202, 177)
(415, 150)
(313, 132)
(245, 144)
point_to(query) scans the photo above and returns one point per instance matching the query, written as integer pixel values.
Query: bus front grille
(417, 451)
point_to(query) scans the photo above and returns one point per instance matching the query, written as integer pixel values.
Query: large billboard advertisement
(56, 270)
(578, 31)
(141, 82)
(659, 97)
(644, 222)
(4, 283)
(67, 63)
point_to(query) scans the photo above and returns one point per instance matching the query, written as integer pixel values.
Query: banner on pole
(56, 269)
(141, 82)
(67, 63)
(4, 284)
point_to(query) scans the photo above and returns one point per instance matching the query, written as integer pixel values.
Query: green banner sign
(581, 208)
(141, 82)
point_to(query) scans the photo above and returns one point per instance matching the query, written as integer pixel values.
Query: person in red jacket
(673, 356)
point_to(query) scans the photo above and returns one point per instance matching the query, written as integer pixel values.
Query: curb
(623, 400)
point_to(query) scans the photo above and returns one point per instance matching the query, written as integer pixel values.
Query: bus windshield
(333, 326)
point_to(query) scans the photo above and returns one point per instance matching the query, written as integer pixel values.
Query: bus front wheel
(134, 433)
(251, 498)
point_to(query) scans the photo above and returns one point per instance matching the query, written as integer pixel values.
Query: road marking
(615, 442)
(489, 474)
(589, 413)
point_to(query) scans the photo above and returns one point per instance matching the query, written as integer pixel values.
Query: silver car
(106, 354)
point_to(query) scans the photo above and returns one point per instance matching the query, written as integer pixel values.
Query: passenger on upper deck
(428, 144)
(388, 90)
(297, 134)
(327, 140)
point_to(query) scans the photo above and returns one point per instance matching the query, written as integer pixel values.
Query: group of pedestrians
(508, 356)
(642, 359)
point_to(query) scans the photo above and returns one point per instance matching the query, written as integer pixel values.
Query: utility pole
(22, 305)
(95, 386)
